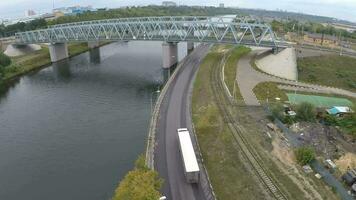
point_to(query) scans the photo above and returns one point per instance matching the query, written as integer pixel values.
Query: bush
(288, 120)
(330, 120)
(306, 112)
(4, 60)
(139, 184)
(277, 110)
(304, 155)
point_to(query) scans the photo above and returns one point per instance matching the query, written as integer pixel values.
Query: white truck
(191, 167)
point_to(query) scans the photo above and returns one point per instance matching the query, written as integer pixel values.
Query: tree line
(10, 30)
(290, 25)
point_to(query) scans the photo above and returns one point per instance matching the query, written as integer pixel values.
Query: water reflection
(61, 70)
(94, 56)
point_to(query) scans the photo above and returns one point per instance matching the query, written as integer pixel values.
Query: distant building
(29, 13)
(169, 3)
(48, 16)
(73, 10)
(321, 39)
(221, 5)
(58, 14)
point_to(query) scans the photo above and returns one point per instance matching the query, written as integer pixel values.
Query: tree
(306, 112)
(304, 155)
(139, 184)
(4, 60)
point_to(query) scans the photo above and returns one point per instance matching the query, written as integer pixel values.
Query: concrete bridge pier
(170, 54)
(93, 44)
(58, 51)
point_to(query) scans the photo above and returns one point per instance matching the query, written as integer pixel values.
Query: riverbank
(37, 60)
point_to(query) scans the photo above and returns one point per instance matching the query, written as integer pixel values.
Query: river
(72, 130)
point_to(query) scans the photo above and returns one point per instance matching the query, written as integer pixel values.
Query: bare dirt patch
(347, 161)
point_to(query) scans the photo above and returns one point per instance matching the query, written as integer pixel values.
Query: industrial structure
(170, 30)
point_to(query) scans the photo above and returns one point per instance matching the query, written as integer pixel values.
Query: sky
(341, 9)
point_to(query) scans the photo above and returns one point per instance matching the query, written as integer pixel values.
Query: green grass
(331, 70)
(319, 101)
(270, 91)
(36, 60)
(228, 174)
(231, 67)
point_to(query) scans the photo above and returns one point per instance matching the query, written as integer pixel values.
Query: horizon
(14, 11)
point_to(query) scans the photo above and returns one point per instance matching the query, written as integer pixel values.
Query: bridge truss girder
(168, 29)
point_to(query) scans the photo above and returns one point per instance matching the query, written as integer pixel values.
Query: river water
(72, 130)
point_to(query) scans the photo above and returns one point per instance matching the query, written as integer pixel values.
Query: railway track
(238, 131)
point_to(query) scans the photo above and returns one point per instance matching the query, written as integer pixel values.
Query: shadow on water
(62, 71)
(94, 56)
(5, 87)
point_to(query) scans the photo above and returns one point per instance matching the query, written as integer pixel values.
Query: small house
(339, 111)
(321, 39)
(350, 177)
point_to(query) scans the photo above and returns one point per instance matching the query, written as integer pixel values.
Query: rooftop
(339, 109)
(189, 158)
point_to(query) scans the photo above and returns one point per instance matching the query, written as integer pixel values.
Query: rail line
(223, 102)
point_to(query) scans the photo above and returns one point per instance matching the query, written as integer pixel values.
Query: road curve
(174, 113)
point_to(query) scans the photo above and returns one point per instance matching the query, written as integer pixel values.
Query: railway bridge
(170, 30)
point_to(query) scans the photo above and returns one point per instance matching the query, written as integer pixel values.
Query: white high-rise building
(29, 13)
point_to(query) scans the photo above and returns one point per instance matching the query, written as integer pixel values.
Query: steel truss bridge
(169, 29)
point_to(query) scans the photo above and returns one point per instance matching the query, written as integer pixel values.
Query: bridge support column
(93, 44)
(190, 47)
(275, 50)
(170, 54)
(58, 51)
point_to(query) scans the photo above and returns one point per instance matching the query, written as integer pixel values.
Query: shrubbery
(139, 184)
(306, 112)
(304, 155)
(4, 60)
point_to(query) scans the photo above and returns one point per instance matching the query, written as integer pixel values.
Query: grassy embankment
(229, 177)
(270, 91)
(331, 70)
(230, 70)
(24, 64)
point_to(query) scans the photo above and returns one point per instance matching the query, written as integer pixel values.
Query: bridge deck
(170, 29)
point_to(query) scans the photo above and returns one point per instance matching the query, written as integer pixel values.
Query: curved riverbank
(35, 61)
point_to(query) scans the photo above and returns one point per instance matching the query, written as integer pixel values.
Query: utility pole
(340, 43)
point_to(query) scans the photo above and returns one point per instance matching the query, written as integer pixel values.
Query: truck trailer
(190, 163)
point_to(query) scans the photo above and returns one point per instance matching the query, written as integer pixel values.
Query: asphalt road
(174, 114)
